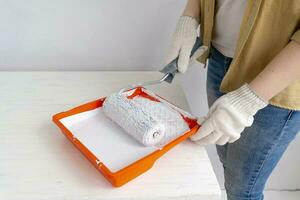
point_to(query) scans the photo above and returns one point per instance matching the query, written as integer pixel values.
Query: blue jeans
(249, 161)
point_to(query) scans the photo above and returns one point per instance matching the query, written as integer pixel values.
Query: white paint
(85, 35)
(38, 162)
(286, 175)
(107, 141)
(113, 145)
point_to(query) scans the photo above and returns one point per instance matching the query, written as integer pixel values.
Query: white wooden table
(38, 162)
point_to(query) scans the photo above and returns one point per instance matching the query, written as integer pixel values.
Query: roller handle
(172, 68)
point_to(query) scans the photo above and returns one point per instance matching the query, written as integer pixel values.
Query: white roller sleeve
(150, 123)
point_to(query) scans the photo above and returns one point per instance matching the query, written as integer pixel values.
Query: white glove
(229, 116)
(183, 41)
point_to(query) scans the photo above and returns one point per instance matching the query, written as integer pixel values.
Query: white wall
(85, 34)
(111, 35)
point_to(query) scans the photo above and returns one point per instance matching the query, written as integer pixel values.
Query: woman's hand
(183, 41)
(185, 36)
(231, 113)
(229, 116)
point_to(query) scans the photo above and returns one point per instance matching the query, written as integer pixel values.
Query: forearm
(192, 9)
(283, 70)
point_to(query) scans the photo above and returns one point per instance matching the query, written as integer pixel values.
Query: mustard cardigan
(267, 27)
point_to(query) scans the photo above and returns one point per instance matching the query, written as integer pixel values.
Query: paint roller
(151, 123)
(135, 118)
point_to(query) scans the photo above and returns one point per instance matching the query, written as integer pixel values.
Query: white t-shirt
(229, 15)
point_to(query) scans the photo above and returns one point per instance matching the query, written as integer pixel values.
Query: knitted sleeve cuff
(185, 24)
(245, 99)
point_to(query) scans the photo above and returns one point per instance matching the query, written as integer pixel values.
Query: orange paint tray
(115, 154)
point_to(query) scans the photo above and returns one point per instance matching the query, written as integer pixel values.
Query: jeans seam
(241, 197)
(268, 154)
